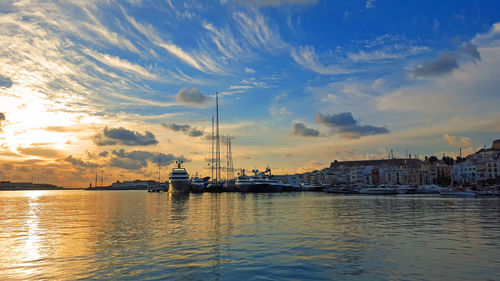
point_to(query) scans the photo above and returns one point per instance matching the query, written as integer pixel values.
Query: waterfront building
(464, 173)
(385, 171)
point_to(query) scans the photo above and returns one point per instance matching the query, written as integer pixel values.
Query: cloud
(223, 39)
(2, 118)
(63, 129)
(345, 124)
(249, 70)
(257, 32)
(5, 82)
(123, 136)
(445, 63)
(277, 3)
(299, 129)
(470, 50)
(38, 151)
(191, 97)
(336, 120)
(457, 141)
(370, 4)
(186, 129)
(80, 163)
(306, 57)
(135, 160)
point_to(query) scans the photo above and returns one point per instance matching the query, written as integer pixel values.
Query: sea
(136, 235)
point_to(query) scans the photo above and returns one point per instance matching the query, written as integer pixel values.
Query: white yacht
(242, 182)
(179, 179)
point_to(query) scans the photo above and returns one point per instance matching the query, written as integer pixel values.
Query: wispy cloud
(39, 151)
(249, 70)
(257, 32)
(370, 4)
(223, 39)
(274, 3)
(306, 57)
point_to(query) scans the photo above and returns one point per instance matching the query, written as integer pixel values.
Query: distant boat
(457, 192)
(379, 190)
(430, 188)
(179, 179)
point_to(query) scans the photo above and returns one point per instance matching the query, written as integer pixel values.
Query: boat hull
(378, 191)
(179, 187)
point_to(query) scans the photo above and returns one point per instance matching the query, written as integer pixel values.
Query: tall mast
(102, 177)
(159, 167)
(217, 139)
(212, 147)
(230, 168)
(96, 179)
(227, 158)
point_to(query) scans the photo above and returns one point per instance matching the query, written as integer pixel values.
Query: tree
(447, 160)
(433, 159)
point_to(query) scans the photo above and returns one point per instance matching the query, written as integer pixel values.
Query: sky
(108, 86)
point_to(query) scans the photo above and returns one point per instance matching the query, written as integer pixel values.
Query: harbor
(481, 177)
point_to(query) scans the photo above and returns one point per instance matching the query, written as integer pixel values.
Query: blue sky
(111, 84)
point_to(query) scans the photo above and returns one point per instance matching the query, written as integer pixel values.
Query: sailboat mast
(217, 139)
(159, 168)
(230, 167)
(212, 147)
(227, 158)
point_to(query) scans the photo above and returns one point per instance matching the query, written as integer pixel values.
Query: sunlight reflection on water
(140, 235)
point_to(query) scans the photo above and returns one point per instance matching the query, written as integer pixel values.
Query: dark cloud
(195, 133)
(299, 129)
(135, 160)
(123, 136)
(357, 131)
(336, 120)
(470, 50)
(80, 163)
(445, 63)
(104, 154)
(345, 124)
(5, 82)
(222, 138)
(186, 129)
(191, 96)
(2, 118)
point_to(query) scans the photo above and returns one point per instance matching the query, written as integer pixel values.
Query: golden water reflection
(138, 235)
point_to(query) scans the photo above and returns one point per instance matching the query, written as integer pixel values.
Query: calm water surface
(136, 235)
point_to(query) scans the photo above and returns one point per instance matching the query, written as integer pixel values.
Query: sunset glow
(106, 86)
